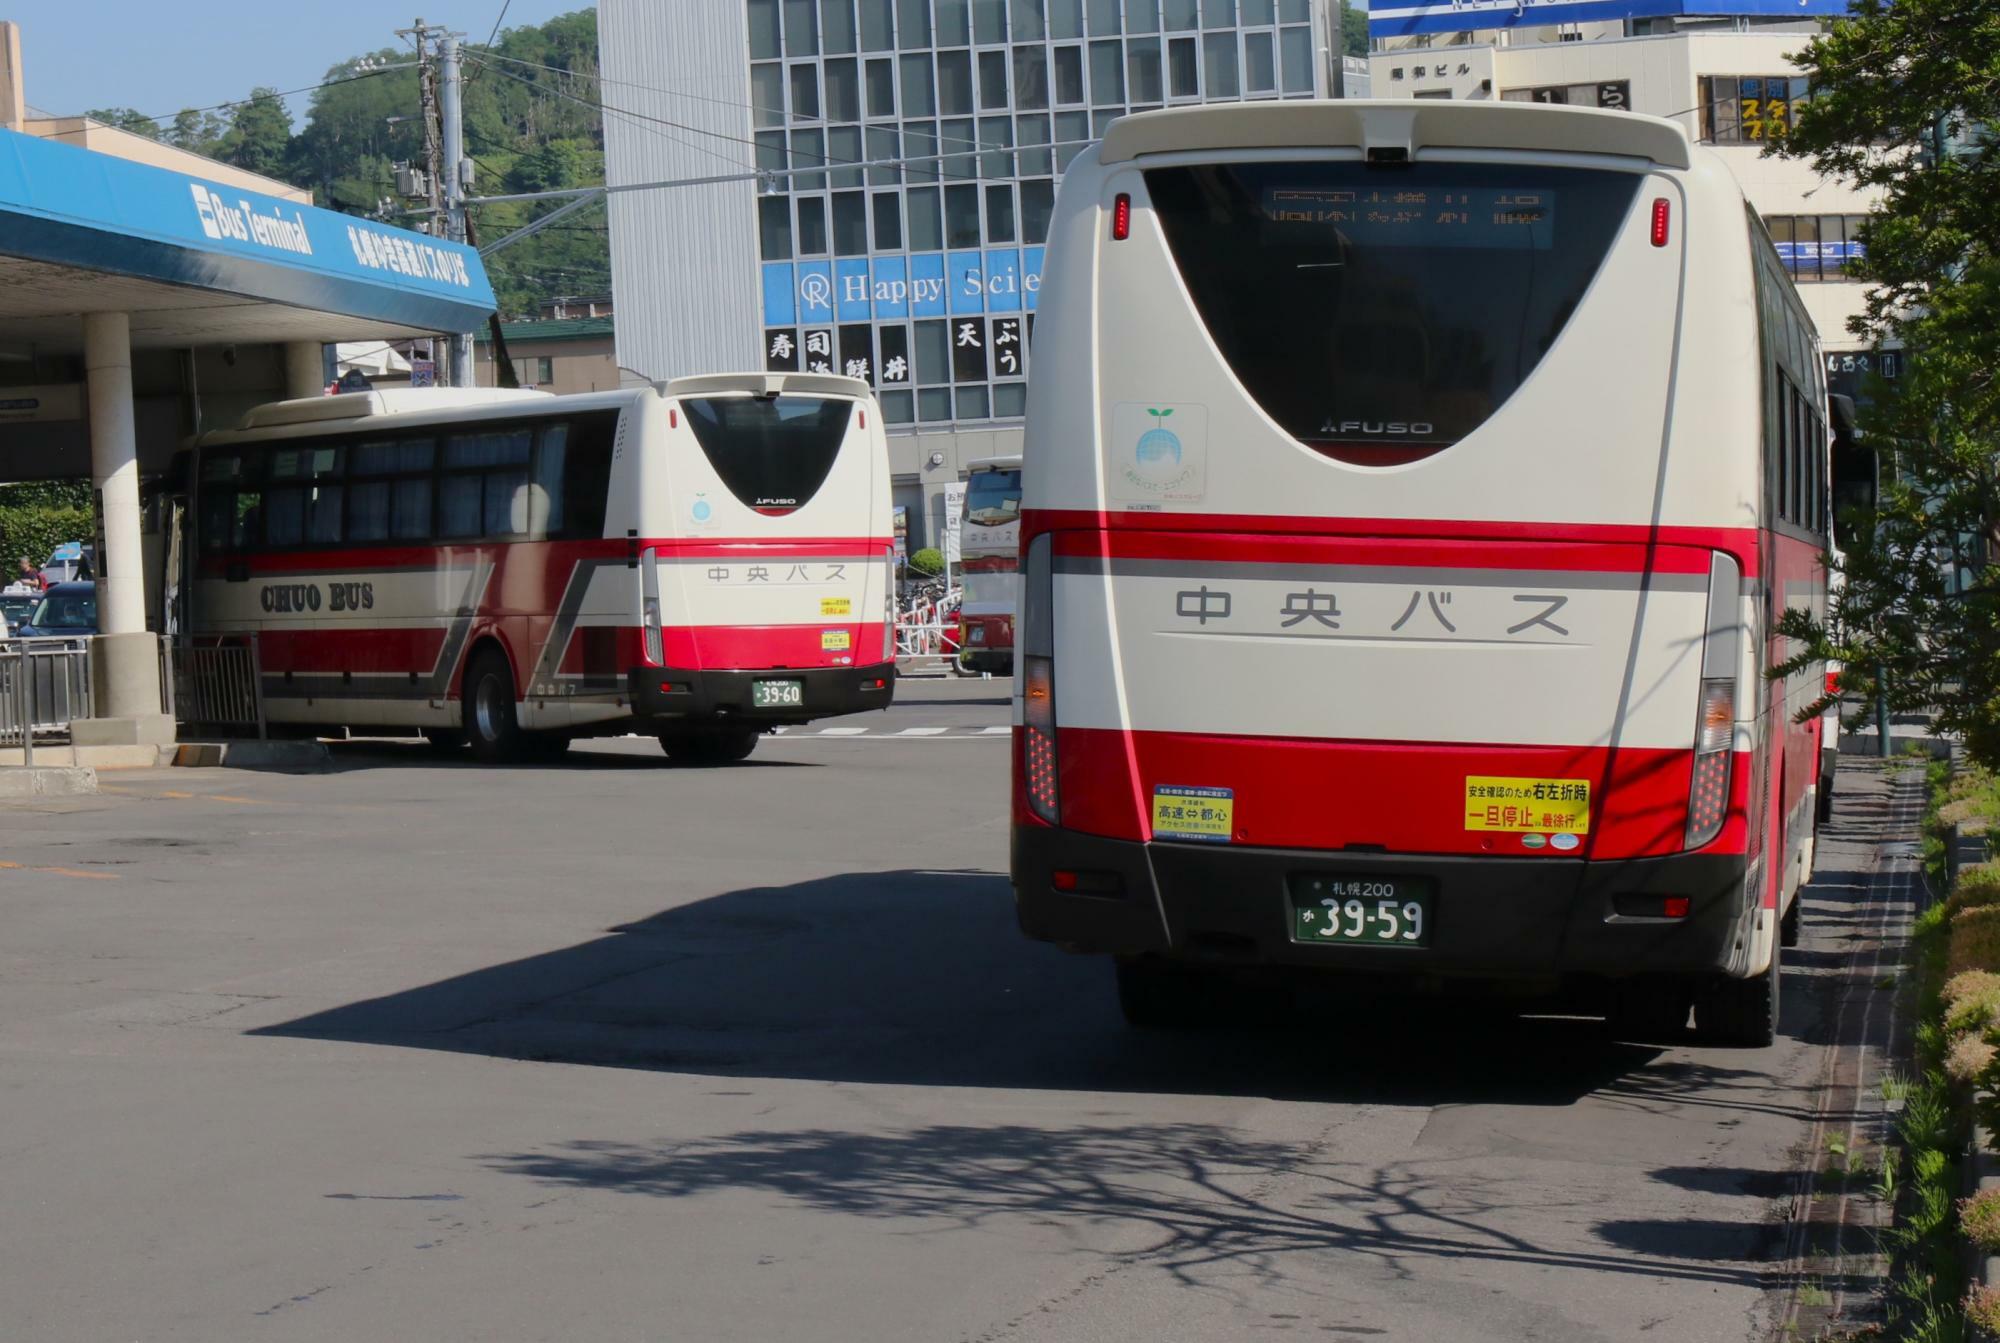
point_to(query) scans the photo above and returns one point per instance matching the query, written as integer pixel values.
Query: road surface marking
(843, 731)
(923, 732)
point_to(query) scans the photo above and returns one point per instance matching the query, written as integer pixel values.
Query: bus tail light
(1121, 217)
(1715, 723)
(1662, 213)
(1038, 681)
(654, 653)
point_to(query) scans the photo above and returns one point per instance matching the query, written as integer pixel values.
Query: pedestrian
(29, 576)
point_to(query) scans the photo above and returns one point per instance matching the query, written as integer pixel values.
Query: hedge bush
(38, 516)
(927, 561)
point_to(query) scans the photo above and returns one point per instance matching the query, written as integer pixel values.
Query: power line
(286, 93)
(631, 117)
(974, 145)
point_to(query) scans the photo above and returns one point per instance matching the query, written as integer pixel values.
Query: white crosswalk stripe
(843, 732)
(923, 732)
(1000, 731)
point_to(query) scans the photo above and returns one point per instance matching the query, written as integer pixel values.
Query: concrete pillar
(305, 369)
(13, 88)
(127, 657)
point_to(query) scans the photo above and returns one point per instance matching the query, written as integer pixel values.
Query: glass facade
(914, 260)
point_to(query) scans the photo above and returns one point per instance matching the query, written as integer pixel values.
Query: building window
(1749, 109)
(1817, 247)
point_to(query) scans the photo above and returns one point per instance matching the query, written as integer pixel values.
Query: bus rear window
(993, 498)
(1379, 316)
(772, 452)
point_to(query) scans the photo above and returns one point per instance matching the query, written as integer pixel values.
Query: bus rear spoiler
(1390, 132)
(765, 384)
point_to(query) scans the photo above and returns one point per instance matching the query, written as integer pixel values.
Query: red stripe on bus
(1428, 553)
(550, 552)
(1263, 528)
(1405, 797)
(362, 651)
(770, 647)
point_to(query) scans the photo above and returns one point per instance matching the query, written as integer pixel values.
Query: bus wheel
(1160, 995)
(1741, 1011)
(490, 720)
(1649, 1007)
(445, 740)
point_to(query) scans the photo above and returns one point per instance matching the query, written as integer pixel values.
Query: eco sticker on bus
(834, 641)
(1206, 814)
(1158, 453)
(836, 606)
(1549, 806)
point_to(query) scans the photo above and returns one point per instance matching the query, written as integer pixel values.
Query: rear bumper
(828, 693)
(1491, 917)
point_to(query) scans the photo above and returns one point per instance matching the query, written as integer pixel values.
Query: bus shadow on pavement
(921, 977)
(365, 753)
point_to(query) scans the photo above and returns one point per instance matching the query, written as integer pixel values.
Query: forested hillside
(531, 124)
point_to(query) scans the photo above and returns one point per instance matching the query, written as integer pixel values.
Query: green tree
(1353, 30)
(260, 134)
(195, 131)
(1904, 94)
(126, 119)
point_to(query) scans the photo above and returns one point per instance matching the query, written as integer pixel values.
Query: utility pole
(445, 163)
(455, 166)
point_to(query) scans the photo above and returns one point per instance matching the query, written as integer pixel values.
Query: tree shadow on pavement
(1195, 1200)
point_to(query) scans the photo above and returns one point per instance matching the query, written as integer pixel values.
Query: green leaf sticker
(1159, 414)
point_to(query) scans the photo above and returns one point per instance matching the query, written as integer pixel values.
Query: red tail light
(1039, 749)
(1121, 217)
(1715, 716)
(1661, 214)
(1833, 683)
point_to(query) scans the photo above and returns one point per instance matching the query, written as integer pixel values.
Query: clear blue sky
(160, 58)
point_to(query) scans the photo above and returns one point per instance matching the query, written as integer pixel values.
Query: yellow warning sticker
(836, 606)
(834, 641)
(1553, 806)
(1207, 814)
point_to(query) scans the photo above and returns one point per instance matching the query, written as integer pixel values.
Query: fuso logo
(241, 222)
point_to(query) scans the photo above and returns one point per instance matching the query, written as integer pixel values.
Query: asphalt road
(621, 1050)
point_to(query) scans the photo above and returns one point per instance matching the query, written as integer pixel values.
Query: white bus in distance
(699, 561)
(1412, 489)
(989, 559)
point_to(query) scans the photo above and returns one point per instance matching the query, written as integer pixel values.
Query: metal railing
(929, 628)
(45, 685)
(218, 683)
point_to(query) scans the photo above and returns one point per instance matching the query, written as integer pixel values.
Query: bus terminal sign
(1408, 18)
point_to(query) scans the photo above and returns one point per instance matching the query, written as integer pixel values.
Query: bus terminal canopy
(197, 262)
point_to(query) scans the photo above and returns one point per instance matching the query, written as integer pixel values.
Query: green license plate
(1361, 911)
(777, 694)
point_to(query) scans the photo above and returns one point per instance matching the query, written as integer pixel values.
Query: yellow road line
(73, 872)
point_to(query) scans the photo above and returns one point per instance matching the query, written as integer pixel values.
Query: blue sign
(886, 288)
(73, 207)
(1401, 18)
(1811, 256)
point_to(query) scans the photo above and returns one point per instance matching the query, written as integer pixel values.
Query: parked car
(18, 607)
(70, 562)
(65, 609)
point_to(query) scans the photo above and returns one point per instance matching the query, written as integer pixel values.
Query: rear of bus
(1382, 607)
(766, 573)
(989, 558)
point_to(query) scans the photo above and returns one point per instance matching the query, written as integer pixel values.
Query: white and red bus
(700, 561)
(1411, 492)
(989, 546)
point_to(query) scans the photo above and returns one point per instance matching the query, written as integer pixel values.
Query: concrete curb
(47, 781)
(276, 755)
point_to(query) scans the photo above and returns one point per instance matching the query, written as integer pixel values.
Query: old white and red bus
(700, 561)
(1411, 492)
(989, 555)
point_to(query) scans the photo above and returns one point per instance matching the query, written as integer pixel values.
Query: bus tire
(1649, 1007)
(1156, 995)
(492, 724)
(1741, 1012)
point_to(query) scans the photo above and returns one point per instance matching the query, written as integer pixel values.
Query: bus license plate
(777, 694)
(1361, 911)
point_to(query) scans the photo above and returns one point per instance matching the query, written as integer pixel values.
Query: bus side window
(546, 511)
(586, 477)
